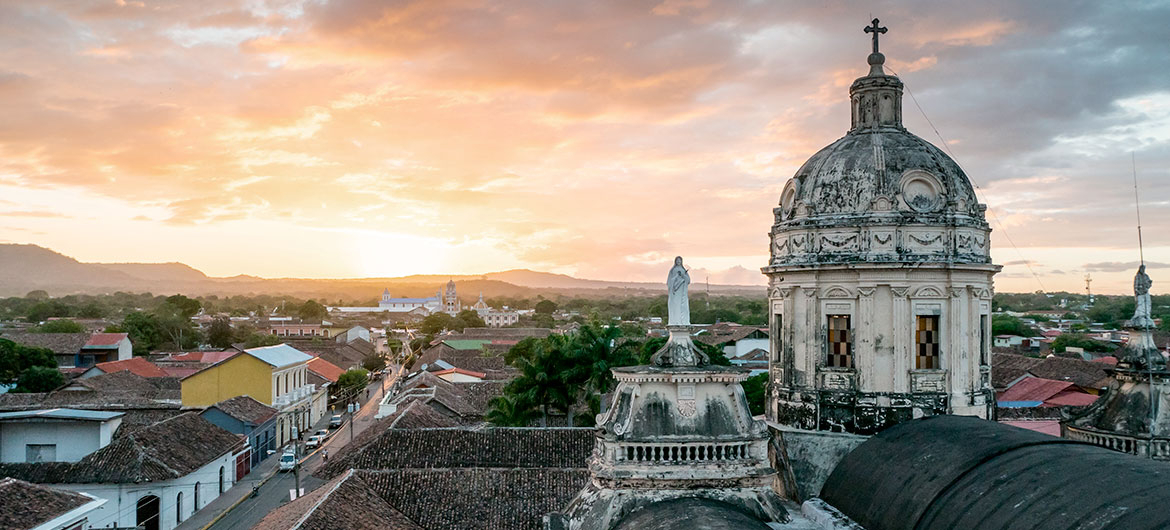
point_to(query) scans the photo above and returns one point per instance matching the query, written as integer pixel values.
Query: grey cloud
(1117, 266)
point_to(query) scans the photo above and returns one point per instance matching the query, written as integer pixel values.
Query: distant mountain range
(25, 268)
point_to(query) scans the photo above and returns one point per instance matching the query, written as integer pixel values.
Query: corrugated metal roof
(279, 356)
(467, 344)
(105, 340)
(61, 414)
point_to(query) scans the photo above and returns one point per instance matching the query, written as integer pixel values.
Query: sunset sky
(357, 138)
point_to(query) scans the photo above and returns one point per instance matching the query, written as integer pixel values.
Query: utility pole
(1088, 291)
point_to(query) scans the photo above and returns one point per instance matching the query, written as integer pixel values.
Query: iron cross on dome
(875, 29)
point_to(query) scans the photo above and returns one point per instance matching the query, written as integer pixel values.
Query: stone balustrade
(680, 453)
(1157, 448)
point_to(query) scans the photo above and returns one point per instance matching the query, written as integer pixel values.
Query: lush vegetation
(27, 366)
(569, 373)
(1008, 325)
(352, 381)
(1077, 340)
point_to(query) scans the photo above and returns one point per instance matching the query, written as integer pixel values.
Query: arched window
(196, 508)
(179, 508)
(221, 480)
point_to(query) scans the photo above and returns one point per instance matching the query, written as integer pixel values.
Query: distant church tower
(880, 278)
(450, 300)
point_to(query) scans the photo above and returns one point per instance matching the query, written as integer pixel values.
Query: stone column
(957, 349)
(813, 339)
(865, 351)
(902, 336)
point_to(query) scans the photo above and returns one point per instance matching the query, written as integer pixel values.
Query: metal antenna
(1137, 206)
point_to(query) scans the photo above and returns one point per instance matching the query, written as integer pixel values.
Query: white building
(880, 278)
(38, 507)
(55, 435)
(494, 318)
(158, 475)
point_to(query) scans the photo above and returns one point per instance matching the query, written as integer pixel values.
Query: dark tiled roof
(58, 343)
(1085, 374)
(245, 409)
(1007, 367)
(116, 391)
(344, 502)
(419, 415)
(477, 498)
(163, 451)
(493, 447)
(28, 505)
(724, 334)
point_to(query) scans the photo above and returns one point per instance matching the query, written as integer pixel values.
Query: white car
(288, 461)
(323, 434)
(335, 421)
(314, 441)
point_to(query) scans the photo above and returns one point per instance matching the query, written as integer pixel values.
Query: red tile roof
(105, 340)
(136, 365)
(1033, 389)
(1108, 359)
(210, 357)
(324, 369)
(479, 375)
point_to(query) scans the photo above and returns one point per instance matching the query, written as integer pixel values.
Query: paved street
(274, 492)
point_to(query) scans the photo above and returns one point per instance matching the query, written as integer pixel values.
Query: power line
(978, 188)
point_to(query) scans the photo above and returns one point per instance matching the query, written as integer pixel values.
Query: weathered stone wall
(804, 459)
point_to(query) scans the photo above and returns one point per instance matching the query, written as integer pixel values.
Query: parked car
(314, 441)
(288, 461)
(323, 434)
(335, 421)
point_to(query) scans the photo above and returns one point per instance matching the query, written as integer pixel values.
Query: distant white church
(446, 301)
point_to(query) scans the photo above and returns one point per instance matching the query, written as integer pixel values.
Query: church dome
(878, 167)
(879, 176)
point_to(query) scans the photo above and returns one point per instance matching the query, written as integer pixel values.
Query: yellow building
(273, 375)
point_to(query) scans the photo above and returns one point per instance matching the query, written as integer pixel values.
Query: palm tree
(510, 411)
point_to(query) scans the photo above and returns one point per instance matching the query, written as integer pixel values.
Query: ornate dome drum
(880, 277)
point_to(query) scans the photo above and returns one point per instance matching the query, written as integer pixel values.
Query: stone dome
(878, 167)
(883, 172)
(879, 194)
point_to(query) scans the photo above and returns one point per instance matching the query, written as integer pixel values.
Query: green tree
(220, 333)
(374, 362)
(60, 326)
(39, 379)
(470, 319)
(754, 390)
(510, 411)
(1077, 340)
(17, 358)
(311, 310)
(353, 381)
(38, 294)
(435, 323)
(186, 307)
(144, 330)
(256, 340)
(91, 309)
(1002, 324)
(545, 307)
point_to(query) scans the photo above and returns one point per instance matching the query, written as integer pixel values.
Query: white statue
(1141, 291)
(678, 305)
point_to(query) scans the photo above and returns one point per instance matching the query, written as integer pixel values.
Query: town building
(77, 350)
(494, 318)
(153, 477)
(880, 278)
(249, 418)
(35, 507)
(276, 376)
(55, 435)
(446, 301)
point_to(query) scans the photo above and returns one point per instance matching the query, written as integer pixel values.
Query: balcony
(293, 396)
